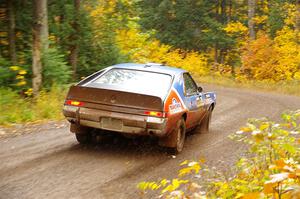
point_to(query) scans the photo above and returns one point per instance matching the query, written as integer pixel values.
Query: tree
(40, 42)
(11, 31)
(298, 20)
(251, 13)
(74, 48)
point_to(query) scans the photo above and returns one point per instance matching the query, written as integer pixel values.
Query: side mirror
(200, 89)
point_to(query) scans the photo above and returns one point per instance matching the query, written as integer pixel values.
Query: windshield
(144, 82)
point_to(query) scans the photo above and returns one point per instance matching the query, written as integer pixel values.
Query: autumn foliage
(270, 168)
(273, 60)
(141, 48)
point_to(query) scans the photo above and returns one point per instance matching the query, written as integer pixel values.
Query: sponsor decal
(175, 107)
(200, 102)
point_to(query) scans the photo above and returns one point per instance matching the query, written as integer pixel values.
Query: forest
(47, 45)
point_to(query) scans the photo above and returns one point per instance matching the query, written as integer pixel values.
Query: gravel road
(49, 163)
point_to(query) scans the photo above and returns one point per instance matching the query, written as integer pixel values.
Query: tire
(205, 123)
(83, 138)
(180, 133)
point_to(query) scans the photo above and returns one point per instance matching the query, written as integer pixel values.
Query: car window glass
(145, 82)
(189, 84)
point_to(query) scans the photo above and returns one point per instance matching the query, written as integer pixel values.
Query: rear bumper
(115, 121)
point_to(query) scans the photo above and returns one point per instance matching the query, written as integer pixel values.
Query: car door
(193, 101)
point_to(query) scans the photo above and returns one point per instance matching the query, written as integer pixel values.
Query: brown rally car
(139, 99)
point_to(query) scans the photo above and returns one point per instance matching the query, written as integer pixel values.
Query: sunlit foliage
(273, 60)
(270, 169)
(141, 48)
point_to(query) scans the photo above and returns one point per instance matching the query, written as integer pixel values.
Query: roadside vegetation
(270, 168)
(43, 43)
(17, 109)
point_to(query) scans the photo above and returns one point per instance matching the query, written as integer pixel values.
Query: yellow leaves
(264, 59)
(264, 126)
(184, 163)
(21, 83)
(142, 49)
(148, 185)
(22, 72)
(163, 182)
(14, 68)
(297, 75)
(174, 185)
(20, 75)
(246, 129)
(52, 37)
(260, 19)
(29, 92)
(236, 27)
(291, 16)
(191, 167)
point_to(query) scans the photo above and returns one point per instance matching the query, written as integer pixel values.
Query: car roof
(151, 67)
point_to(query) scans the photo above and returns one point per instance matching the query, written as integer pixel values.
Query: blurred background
(46, 45)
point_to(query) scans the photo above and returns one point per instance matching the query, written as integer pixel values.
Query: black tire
(180, 133)
(83, 138)
(205, 123)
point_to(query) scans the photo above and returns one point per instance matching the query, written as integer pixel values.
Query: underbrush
(17, 109)
(270, 168)
(284, 87)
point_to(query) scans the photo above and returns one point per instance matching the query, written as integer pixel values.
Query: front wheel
(205, 123)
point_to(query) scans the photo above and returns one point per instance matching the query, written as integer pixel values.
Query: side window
(189, 85)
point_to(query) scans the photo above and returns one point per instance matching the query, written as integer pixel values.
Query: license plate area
(113, 124)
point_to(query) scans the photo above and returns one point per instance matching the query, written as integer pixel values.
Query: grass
(285, 87)
(16, 109)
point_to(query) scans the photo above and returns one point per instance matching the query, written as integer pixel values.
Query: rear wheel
(180, 133)
(83, 138)
(83, 134)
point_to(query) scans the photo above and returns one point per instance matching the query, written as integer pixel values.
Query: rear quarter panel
(174, 104)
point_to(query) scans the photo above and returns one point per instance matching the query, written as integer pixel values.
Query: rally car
(139, 99)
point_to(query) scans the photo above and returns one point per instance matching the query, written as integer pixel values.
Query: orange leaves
(264, 59)
(254, 195)
(259, 59)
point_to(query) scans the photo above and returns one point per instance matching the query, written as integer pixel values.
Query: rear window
(143, 82)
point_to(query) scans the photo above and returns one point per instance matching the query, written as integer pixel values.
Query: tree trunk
(251, 13)
(40, 42)
(229, 11)
(11, 31)
(298, 21)
(74, 49)
(215, 66)
(223, 11)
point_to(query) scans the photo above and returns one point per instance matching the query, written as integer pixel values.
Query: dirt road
(51, 164)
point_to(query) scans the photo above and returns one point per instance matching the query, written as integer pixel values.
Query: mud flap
(169, 140)
(76, 128)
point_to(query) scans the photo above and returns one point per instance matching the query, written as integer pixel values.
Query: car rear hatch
(113, 109)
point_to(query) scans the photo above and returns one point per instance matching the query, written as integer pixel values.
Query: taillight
(154, 113)
(74, 103)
